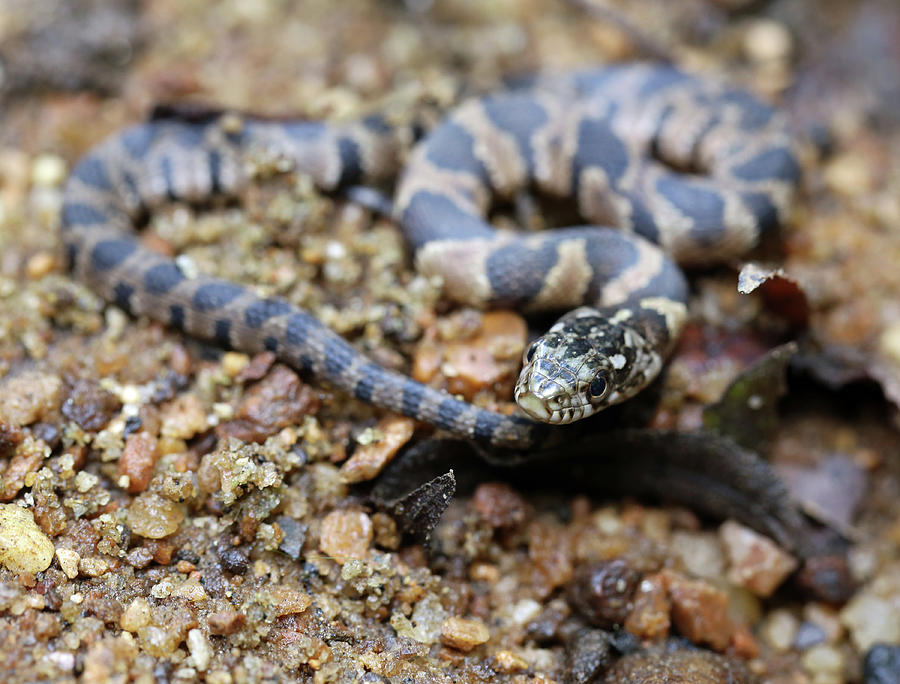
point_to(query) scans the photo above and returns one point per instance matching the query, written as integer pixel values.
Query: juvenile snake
(700, 169)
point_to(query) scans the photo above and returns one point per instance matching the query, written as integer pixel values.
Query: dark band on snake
(667, 169)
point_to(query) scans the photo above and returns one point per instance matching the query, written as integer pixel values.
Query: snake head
(581, 366)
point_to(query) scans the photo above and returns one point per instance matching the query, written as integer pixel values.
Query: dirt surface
(172, 511)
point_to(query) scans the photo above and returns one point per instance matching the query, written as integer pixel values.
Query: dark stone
(602, 592)
(882, 665)
(294, 536)
(588, 655)
(232, 558)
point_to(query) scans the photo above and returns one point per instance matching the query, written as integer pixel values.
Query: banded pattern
(698, 168)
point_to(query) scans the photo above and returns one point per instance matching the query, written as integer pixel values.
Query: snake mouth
(537, 409)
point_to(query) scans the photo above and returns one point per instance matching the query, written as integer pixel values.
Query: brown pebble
(700, 611)
(827, 578)
(649, 616)
(470, 368)
(226, 622)
(286, 601)
(757, 563)
(29, 397)
(550, 552)
(11, 436)
(277, 401)
(233, 559)
(483, 356)
(499, 505)
(136, 615)
(182, 418)
(346, 535)
(162, 550)
(370, 459)
(139, 557)
(744, 643)
(386, 533)
(89, 405)
(138, 460)
(39, 265)
(180, 360)
(602, 592)
(28, 458)
(677, 667)
(154, 517)
(462, 634)
(257, 368)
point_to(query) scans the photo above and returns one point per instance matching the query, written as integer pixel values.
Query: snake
(667, 169)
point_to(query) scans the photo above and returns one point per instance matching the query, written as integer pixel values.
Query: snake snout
(547, 394)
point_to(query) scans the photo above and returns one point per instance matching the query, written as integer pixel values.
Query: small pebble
(849, 174)
(588, 655)
(872, 617)
(462, 634)
(294, 536)
(154, 517)
(824, 661)
(649, 617)
(501, 506)
(136, 615)
(882, 665)
(683, 667)
(602, 592)
(767, 41)
(507, 662)
(92, 567)
(757, 563)
(24, 548)
(826, 619)
(370, 459)
(808, 635)
(346, 535)
(29, 396)
(233, 559)
(286, 601)
(39, 265)
(201, 652)
(890, 342)
(138, 460)
(226, 622)
(183, 418)
(48, 171)
(234, 362)
(700, 611)
(68, 562)
(780, 630)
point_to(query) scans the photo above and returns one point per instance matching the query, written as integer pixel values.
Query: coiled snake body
(698, 168)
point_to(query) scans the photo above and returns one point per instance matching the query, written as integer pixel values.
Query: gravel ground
(171, 511)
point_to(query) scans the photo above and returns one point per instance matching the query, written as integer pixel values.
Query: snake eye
(598, 387)
(529, 355)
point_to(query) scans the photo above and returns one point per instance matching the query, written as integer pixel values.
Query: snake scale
(682, 169)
